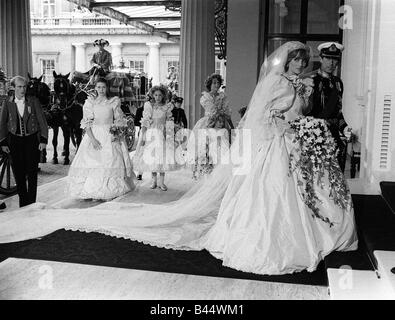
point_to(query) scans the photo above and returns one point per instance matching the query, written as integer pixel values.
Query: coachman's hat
(101, 42)
(331, 50)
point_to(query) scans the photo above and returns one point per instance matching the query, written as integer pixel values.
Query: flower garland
(315, 156)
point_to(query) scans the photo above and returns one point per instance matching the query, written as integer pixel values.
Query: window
(48, 8)
(137, 65)
(307, 21)
(173, 69)
(67, 6)
(173, 63)
(218, 67)
(48, 66)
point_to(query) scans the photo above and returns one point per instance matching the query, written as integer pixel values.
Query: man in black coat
(326, 102)
(179, 116)
(23, 133)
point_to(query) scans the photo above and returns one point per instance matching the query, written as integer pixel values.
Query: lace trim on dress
(120, 235)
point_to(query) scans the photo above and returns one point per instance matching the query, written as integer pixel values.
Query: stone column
(80, 57)
(154, 62)
(242, 66)
(197, 58)
(15, 37)
(116, 54)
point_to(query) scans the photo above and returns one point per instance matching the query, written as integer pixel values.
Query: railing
(72, 22)
(96, 21)
(45, 22)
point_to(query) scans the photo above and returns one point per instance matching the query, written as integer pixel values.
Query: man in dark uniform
(179, 116)
(326, 102)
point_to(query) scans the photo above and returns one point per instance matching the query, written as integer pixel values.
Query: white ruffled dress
(158, 151)
(101, 174)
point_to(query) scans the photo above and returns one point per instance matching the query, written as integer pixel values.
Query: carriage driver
(101, 60)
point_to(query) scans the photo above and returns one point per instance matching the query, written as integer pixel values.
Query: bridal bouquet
(119, 129)
(316, 158)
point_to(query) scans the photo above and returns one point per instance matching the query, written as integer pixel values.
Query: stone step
(386, 268)
(348, 284)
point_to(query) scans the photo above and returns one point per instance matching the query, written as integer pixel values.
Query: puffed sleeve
(147, 115)
(88, 115)
(116, 107)
(282, 95)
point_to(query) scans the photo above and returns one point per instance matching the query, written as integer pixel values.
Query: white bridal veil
(182, 224)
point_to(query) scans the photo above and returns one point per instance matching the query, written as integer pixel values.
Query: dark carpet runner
(98, 249)
(376, 231)
(388, 193)
(376, 222)
(376, 228)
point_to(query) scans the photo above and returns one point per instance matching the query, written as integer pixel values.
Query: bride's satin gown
(256, 222)
(263, 225)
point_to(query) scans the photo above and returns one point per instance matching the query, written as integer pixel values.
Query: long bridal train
(258, 222)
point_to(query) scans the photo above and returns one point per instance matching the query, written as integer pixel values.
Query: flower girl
(155, 148)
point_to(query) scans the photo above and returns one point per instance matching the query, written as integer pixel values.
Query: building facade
(63, 36)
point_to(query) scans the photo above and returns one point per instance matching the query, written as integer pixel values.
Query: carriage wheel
(7, 177)
(130, 135)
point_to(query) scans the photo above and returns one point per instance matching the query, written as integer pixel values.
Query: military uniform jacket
(179, 117)
(326, 102)
(33, 120)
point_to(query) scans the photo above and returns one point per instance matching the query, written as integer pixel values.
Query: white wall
(368, 73)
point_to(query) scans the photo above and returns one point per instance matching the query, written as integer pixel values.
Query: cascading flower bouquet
(313, 159)
(119, 129)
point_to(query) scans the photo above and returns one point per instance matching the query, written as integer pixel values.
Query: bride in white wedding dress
(259, 221)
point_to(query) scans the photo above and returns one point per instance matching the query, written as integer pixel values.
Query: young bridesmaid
(155, 148)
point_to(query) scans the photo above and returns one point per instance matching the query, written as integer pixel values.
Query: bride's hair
(298, 53)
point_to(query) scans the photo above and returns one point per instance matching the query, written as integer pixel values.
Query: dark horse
(41, 91)
(67, 114)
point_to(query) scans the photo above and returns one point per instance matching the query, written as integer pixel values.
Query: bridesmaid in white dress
(102, 168)
(155, 151)
(214, 103)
